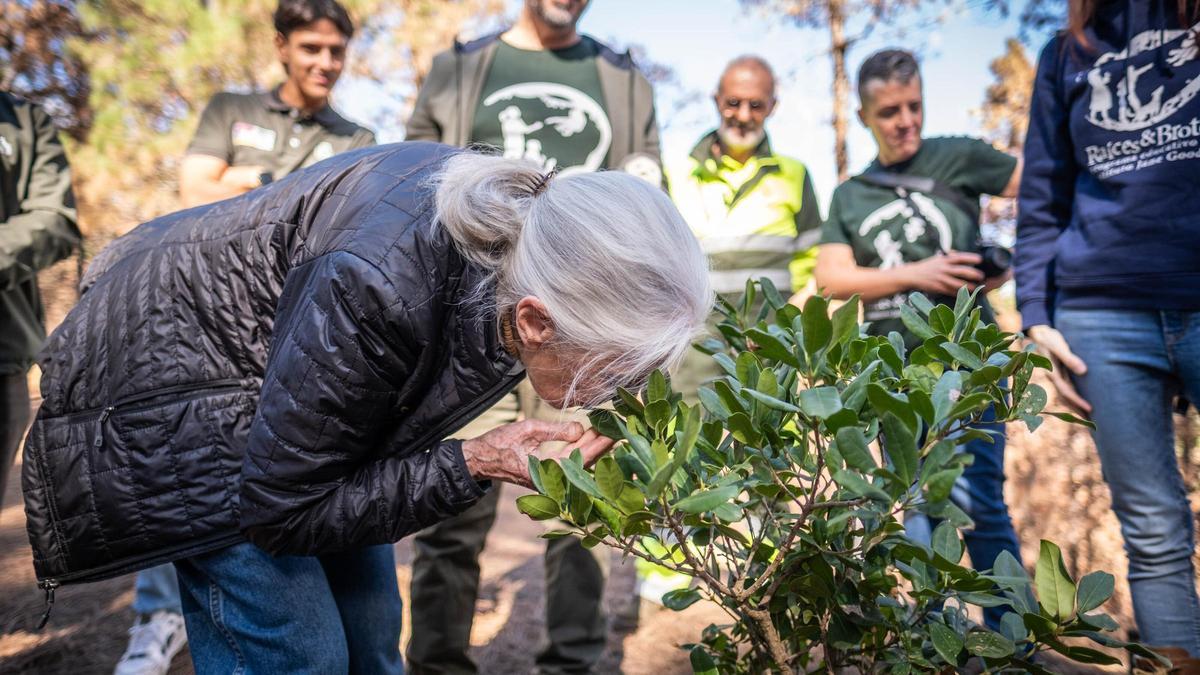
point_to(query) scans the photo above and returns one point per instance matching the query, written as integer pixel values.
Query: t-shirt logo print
(888, 245)
(1135, 107)
(567, 113)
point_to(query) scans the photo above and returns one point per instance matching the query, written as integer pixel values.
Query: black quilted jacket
(281, 367)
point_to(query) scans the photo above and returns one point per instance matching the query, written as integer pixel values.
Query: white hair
(619, 271)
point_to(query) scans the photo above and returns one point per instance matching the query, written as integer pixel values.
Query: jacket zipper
(124, 405)
(47, 585)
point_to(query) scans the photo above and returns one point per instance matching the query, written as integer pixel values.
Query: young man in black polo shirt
(245, 140)
(242, 142)
(545, 92)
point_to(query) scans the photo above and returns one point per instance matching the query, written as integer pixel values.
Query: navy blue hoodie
(1110, 196)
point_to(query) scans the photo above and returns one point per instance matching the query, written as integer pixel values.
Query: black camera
(995, 260)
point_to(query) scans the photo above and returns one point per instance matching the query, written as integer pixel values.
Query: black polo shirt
(262, 130)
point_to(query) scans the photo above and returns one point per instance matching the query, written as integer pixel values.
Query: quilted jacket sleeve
(318, 475)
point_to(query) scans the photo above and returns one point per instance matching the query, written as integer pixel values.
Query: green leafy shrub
(772, 494)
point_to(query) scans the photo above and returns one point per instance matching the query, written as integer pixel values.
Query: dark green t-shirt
(546, 106)
(262, 130)
(886, 230)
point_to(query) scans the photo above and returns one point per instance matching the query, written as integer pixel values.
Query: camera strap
(902, 184)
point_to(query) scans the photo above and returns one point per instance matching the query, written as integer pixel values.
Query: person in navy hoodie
(1108, 269)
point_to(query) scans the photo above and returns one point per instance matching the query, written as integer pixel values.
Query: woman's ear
(534, 327)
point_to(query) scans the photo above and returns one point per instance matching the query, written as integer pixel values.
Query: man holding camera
(910, 222)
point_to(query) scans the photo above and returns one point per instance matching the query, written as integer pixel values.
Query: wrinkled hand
(1051, 344)
(945, 273)
(503, 453)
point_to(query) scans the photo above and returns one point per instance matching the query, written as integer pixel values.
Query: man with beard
(542, 91)
(754, 211)
(244, 141)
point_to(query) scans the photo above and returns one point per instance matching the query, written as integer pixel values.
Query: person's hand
(243, 178)
(503, 453)
(1051, 344)
(945, 273)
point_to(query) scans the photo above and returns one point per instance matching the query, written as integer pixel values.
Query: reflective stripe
(749, 242)
(734, 281)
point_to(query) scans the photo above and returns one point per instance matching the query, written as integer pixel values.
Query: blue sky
(955, 43)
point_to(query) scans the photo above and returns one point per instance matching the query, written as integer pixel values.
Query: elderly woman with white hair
(259, 390)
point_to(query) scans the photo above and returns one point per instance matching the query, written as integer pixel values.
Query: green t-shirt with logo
(545, 105)
(886, 230)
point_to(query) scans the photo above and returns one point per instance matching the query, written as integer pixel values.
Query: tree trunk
(841, 84)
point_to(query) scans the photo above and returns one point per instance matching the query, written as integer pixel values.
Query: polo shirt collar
(326, 117)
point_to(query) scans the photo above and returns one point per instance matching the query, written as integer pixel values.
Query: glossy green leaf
(535, 473)
(962, 355)
(772, 347)
(852, 443)
(818, 329)
(712, 403)
(702, 662)
(845, 320)
(1094, 590)
(947, 643)
(707, 500)
(915, 323)
(605, 422)
(609, 477)
(538, 507)
(680, 599)
(901, 447)
(820, 402)
(553, 482)
(859, 486)
(572, 468)
(990, 645)
(1072, 419)
(1012, 627)
(946, 393)
(656, 388)
(771, 402)
(941, 320)
(658, 414)
(921, 302)
(946, 542)
(631, 500)
(1056, 592)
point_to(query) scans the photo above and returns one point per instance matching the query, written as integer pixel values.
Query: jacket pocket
(147, 471)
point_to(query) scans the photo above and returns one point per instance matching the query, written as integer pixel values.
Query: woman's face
(550, 369)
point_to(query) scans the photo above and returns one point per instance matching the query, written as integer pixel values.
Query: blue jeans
(980, 493)
(156, 590)
(1138, 361)
(250, 612)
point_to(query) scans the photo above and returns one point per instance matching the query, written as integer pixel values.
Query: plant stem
(763, 619)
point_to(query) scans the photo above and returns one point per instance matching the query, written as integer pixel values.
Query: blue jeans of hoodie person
(1138, 361)
(250, 612)
(980, 493)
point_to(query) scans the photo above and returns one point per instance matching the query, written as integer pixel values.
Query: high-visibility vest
(746, 215)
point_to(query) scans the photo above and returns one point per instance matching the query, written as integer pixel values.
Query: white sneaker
(153, 641)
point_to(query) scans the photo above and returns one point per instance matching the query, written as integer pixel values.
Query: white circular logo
(574, 110)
